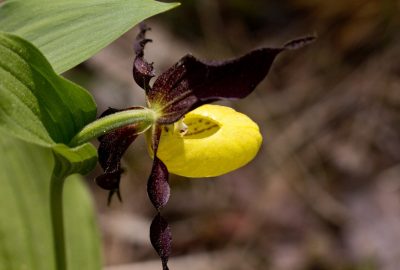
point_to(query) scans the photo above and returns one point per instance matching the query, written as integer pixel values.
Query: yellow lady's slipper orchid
(218, 140)
(188, 138)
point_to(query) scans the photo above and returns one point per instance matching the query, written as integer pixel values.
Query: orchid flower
(187, 137)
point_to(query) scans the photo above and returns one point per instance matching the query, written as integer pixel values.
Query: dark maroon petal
(112, 146)
(157, 186)
(161, 238)
(191, 83)
(142, 70)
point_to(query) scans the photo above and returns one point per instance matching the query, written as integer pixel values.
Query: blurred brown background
(324, 191)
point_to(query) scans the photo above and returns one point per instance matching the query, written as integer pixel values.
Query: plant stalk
(143, 118)
(57, 219)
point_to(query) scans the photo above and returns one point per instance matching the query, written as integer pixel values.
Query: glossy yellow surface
(211, 140)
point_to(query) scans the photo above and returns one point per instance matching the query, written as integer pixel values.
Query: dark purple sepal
(142, 70)
(191, 83)
(161, 238)
(110, 180)
(112, 146)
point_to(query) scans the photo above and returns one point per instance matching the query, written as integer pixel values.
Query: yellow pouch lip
(230, 141)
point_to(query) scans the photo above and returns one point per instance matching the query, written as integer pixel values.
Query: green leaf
(26, 240)
(70, 31)
(36, 104)
(41, 107)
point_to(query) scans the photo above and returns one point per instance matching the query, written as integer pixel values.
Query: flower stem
(57, 220)
(142, 117)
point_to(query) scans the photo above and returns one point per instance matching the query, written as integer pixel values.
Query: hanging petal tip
(110, 181)
(161, 239)
(111, 194)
